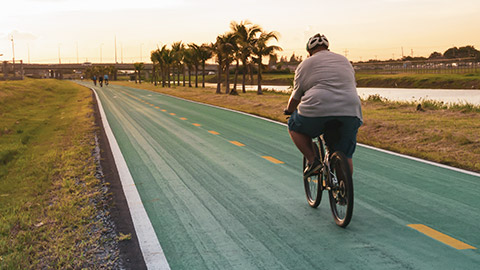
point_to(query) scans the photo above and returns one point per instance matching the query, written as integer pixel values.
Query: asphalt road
(223, 190)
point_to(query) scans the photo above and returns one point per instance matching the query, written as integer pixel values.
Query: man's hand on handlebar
(286, 112)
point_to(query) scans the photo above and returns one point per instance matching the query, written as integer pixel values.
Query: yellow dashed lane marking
(440, 236)
(172, 113)
(213, 132)
(183, 118)
(164, 110)
(237, 143)
(197, 125)
(157, 107)
(273, 160)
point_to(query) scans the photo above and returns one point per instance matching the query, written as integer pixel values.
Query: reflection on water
(397, 94)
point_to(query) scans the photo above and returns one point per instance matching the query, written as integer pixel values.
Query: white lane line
(148, 240)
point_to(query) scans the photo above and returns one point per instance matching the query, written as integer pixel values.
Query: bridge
(71, 70)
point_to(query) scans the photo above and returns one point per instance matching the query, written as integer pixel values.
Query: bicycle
(335, 176)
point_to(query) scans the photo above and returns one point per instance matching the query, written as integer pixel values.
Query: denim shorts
(315, 126)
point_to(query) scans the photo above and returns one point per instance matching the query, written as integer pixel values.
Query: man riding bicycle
(324, 90)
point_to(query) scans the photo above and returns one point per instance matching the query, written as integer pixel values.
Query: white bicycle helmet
(317, 40)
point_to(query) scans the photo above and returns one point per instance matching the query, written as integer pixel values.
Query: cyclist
(324, 90)
(105, 78)
(100, 80)
(94, 79)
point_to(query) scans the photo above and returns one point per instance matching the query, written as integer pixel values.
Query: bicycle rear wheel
(341, 193)
(313, 184)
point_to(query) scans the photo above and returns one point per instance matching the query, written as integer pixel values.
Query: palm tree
(158, 61)
(139, 66)
(155, 60)
(217, 50)
(246, 33)
(178, 48)
(227, 43)
(196, 59)
(204, 54)
(188, 59)
(261, 49)
(167, 60)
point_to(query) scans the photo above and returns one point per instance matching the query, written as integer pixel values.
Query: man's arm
(292, 105)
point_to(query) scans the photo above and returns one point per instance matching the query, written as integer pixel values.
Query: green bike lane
(223, 190)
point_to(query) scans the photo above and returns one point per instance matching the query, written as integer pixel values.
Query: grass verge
(437, 132)
(49, 194)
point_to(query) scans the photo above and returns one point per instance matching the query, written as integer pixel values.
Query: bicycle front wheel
(341, 192)
(313, 184)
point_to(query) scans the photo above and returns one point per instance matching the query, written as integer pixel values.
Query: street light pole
(116, 49)
(13, 56)
(59, 59)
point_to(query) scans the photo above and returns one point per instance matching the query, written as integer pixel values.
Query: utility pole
(141, 58)
(59, 59)
(121, 47)
(28, 49)
(402, 53)
(13, 56)
(78, 62)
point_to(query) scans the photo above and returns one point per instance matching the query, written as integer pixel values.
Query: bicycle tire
(341, 198)
(313, 184)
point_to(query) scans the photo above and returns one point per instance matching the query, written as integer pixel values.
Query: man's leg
(304, 144)
(350, 162)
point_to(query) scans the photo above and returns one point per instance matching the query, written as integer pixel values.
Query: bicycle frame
(331, 182)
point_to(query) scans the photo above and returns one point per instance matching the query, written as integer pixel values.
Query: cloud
(17, 35)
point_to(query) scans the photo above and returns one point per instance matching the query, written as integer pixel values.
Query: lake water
(398, 94)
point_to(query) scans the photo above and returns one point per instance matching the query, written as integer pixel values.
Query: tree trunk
(168, 76)
(219, 79)
(251, 66)
(196, 76)
(259, 90)
(183, 74)
(235, 80)
(203, 74)
(227, 77)
(244, 74)
(154, 75)
(189, 78)
(163, 76)
(178, 75)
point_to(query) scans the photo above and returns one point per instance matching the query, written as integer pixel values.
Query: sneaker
(312, 168)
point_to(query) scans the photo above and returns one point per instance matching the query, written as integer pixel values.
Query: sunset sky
(43, 30)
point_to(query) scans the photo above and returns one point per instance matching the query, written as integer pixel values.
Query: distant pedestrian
(105, 78)
(94, 79)
(100, 80)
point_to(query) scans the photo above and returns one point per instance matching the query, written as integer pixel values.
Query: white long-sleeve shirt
(325, 85)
